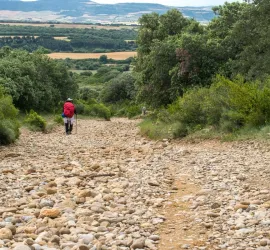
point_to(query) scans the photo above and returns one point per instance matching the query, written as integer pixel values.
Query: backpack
(69, 109)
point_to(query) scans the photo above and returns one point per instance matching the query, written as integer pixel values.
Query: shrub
(93, 108)
(155, 130)
(58, 119)
(80, 108)
(119, 89)
(87, 93)
(227, 106)
(9, 131)
(9, 126)
(179, 130)
(100, 110)
(133, 111)
(35, 121)
(191, 108)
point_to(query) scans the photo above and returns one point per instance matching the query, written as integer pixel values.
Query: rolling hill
(81, 11)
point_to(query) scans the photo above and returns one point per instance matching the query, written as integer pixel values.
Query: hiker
(143, 110)
(68, 114)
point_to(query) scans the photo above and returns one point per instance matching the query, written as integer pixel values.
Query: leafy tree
(154, 81)
(252, 34)
(119, 89)
(161, 39)
(33, 80)
(103, 59)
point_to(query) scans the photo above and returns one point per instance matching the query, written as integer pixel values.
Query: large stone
(138, 244)
(51, 213)
(5, 234)
(21, 247)
(84, 193)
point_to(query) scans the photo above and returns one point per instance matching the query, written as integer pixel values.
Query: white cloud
(178, 3)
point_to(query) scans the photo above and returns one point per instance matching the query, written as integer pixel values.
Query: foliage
(32, 38)
(155, 130)
(175, 54)
(35, 121)
(9, 126)
(100, 110)
(227, 105)
(33, 80)
(92, 108)
(58, 119)
(119, 89)
(87, 93)
(133, 110)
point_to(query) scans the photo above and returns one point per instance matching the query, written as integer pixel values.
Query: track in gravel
(109, 188)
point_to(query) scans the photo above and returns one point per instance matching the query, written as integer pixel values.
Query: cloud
(170, 2)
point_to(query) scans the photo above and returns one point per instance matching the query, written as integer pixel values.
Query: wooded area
(78, 40)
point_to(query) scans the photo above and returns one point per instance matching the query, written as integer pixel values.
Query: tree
(103, 59)
(154, 81)
(251, 35)
(35, 81)
(119, 89)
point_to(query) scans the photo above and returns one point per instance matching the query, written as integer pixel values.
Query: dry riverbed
(107, 187)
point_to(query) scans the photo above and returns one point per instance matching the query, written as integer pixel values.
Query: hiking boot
(70, 129)
(66, 127)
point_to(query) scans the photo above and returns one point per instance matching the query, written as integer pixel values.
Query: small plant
(180, 130)
(58, 119)
(133, 111)
(35, 121)
(9, 125)
(9, 131)
(100, 110)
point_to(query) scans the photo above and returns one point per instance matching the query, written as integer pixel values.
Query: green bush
(9, 126)
(87, 93)
(9, 131)
(58, 119)
(133, 111)
(35, 121)
(92, 108)
(191, 107)
(100, 110)
(155, 130)
(226, 106)
(80, 107)
(179, 130)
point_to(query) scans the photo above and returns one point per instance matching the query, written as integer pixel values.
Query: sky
(178, 3)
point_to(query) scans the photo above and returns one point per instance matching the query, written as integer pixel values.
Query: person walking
(68, 114)
(143, 111)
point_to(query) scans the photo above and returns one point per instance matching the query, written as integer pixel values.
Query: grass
(78, 71)
(159, 130)
(155, 130)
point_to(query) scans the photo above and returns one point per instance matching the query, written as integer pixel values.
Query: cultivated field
(18, 36)
(71, 25)
(63, 38)
(112, 55)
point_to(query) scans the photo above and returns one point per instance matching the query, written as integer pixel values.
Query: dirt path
(108, 188)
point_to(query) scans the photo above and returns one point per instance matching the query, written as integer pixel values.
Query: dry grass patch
(63, 38)
(112, 55)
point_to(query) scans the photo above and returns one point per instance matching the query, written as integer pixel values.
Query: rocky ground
(107, 187)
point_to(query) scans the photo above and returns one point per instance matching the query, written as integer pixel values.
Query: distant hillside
(83, 11)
